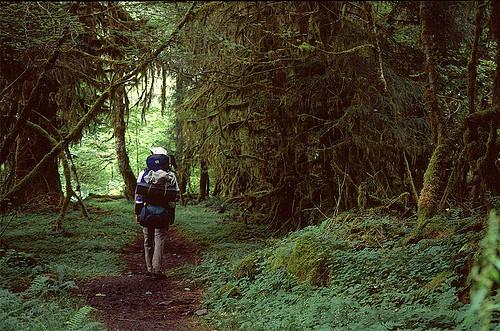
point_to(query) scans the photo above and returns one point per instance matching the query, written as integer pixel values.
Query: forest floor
(132, 302)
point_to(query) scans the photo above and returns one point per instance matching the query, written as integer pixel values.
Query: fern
(39, 287)
(43, 306)
(77, 321)
(45, 285)
(372, 280)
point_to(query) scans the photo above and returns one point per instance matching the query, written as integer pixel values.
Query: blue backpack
(158, 161)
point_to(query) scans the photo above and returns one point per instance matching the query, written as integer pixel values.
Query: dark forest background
(293, 110)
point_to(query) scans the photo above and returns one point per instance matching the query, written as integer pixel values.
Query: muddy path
(131, 302)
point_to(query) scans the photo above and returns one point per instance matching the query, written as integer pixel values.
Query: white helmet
(158, 150)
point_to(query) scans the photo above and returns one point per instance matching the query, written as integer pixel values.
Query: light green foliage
(227, 241)
(81, 249)
(95, 161)
(485, 300)
(306, 255)
(47, 285)
(248, 266)
(201, 227)
(78, 320)
(371, 278)
(21, 312)
(155, 129)
(17, 269)
(95, 155)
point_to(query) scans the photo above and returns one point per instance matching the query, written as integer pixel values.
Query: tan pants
(154, 240)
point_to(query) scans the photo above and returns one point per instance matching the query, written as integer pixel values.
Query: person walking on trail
(155, 198)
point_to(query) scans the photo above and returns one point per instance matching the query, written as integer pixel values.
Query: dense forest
(292, 111)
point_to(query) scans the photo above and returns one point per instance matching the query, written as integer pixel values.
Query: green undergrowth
(39, 267)
(354, 272)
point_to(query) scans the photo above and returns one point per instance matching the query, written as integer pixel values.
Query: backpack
(155, 217)
(158, 182)
(158, 187)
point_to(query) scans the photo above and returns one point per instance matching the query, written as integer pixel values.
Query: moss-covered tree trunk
(120, 144)
(119, 100)
(47, 186)
(433, 182)
(488, 166)
(31, 147)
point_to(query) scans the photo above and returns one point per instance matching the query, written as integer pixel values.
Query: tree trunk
(182, 155)
(30, 150)
(204, 181)
(495, 29)
(120, 143)
(488, 169)
(31, 147)
(44, 163)
(472, 65)
(433, 182)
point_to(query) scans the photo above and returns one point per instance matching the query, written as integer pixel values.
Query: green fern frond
(39, 287)
(76, 323)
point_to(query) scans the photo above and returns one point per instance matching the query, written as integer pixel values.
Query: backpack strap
(144, 173)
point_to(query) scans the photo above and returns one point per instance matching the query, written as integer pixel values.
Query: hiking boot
(148, 275)
(158, 276)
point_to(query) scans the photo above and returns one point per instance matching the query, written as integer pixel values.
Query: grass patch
(225, 242)
(83, 249)
(27, 313)
(39, 267)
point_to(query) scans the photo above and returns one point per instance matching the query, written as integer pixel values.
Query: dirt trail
(130, 302)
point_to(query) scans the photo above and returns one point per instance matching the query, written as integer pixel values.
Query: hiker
(155, 198)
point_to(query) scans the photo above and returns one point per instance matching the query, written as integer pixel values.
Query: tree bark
(120, 143)
(32, 145)
(472, 65)
(37, 91)
(204, 181)
(62, 144)
(182, 155)
(29, 146)
(489, 171)
(495, 29)
(433, 183)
